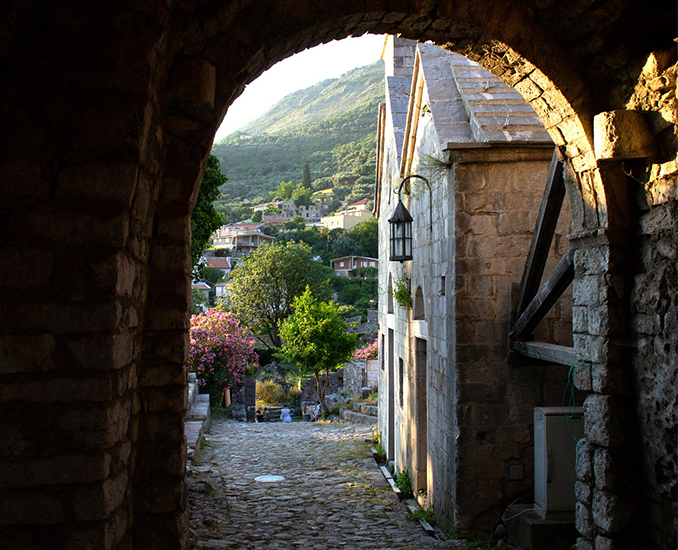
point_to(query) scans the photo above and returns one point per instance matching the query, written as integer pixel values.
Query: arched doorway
(109, 113)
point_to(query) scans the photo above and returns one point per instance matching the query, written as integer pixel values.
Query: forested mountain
(330, 126)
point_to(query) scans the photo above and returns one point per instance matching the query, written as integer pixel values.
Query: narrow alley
(332, 494)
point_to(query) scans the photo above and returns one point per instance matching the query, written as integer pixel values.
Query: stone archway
(108, 115)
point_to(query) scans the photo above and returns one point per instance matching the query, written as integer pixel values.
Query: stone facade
(462, 414)
(108, 114)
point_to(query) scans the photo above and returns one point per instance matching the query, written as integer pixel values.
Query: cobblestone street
(333, 494)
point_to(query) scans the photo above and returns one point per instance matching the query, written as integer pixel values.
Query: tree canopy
(205, 219)
(317, 339)
(264, 287)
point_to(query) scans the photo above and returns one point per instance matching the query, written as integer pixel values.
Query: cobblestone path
(333, 495)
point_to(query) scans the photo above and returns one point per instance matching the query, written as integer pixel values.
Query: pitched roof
(219, 262)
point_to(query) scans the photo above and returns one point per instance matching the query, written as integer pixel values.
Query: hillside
(330, 126)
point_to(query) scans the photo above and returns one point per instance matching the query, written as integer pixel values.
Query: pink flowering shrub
(219, 351)
(370, 351)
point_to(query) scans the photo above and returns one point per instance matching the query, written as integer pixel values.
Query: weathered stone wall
(655, 333)
(498, 203)
(354, 378)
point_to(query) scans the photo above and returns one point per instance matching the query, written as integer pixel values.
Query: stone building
(346, 219)
(108, 113)
(457, 415)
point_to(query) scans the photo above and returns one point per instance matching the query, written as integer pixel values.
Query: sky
(300, 71)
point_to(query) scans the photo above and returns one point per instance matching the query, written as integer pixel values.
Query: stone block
(603, 469)
(622, 135)
(591, 261)
(610, 378)
(99, 352)
(60, 390)
(27, 353)
(610, 512)
(515, 222)
(584, 461)
(164, 398)
(169, 348)
(92, 317)
(28, 267)
(113, 183)
(116, 273)
(583, 519)
(604, 421)
(96, 501)
(483, 224)
(54, 470)
(32, 507)
(588, 290)
(482, 246)
(583, 492)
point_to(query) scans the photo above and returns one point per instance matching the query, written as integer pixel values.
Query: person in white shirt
(285, 414)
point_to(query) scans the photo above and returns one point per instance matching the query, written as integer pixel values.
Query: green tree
(257, 216)
(302, 195)
(343, 245)
(366, 234)
(264, 287)
(317, 339)
(306, 178)
(205, 219)
(284, 191)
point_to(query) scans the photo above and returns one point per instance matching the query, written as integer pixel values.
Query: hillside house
(203, 288)
(454, 412)
(240, 239)
(288, 210)
(347, 265)
(224, 264)
(346, 219)
(360, 205)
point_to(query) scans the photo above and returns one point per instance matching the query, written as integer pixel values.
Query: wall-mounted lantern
(401, 234)
(401, 227)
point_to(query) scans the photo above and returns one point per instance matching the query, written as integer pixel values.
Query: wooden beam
(555, 285)
(544, 230)
(553, 353)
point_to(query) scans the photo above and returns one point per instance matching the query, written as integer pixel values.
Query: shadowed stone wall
(108, 111)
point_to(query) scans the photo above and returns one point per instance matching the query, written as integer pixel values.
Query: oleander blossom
(219, 350)
(370, 351)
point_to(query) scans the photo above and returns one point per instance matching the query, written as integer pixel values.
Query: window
(341, 264)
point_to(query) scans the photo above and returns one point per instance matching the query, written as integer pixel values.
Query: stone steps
(197, 419)
(365, 408)
(358, 418)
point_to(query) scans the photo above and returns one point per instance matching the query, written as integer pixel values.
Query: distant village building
(286, 210)
(203, 288)
(224, 264)
(346, 219)
(347, 265)
(221, 291)
(453, 411)
(240, 239)
(360, 205)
